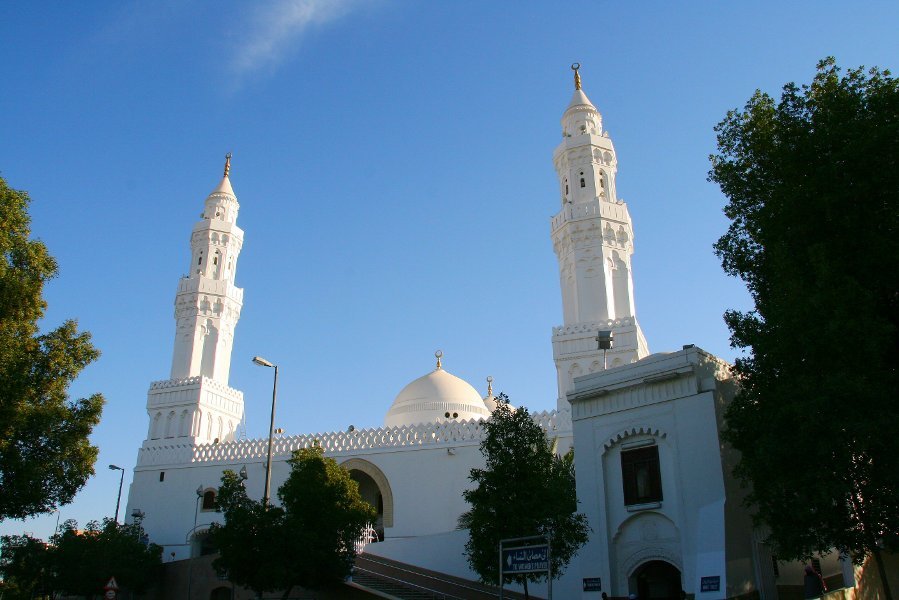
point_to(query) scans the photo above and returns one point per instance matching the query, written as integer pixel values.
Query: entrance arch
(656, 580)
(374, 488)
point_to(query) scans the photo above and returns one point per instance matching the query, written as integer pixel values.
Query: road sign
(111, 584)
(592, 584)
(526, 559)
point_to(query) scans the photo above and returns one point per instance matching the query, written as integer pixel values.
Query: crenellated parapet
(338, 443)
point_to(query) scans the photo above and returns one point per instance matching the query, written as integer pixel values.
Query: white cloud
(279, 25)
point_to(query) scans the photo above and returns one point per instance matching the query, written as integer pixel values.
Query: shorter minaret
(196, 405)
(593, 240)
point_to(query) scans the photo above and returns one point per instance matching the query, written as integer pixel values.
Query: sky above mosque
(393, 163)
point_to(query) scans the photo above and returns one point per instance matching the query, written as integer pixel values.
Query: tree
(24, 563)
(308, 541)
(83, 561)
(813, 198)
(524, 489)
(45, 455)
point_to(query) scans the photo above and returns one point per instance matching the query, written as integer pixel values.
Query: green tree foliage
(45, 456)
(524, 489)
(79, 562)
(812, 183)
(24, 567)
(308, 541)
(83, 561)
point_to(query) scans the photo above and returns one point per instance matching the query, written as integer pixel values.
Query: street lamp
(190, 545)
(119, 498)
(271, 428)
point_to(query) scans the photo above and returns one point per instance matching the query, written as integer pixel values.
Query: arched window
(157, 423)
(170, 425)
(208, 500)
(583, 181)
(182, 424)
(221, 425)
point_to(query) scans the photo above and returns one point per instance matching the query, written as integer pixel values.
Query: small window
(641, 476)
(583, 183)
(200, 260)
(566, 189)
(162, 476)
(209, 500)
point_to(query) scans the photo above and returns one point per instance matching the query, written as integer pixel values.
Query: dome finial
(439, 355)
(577, 76)
(490, 386)
(227, 164)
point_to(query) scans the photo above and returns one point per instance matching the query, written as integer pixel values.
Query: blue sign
(592, 584)
(526, 559)
(710, 584)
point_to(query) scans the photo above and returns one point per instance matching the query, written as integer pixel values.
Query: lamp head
(604, 340)
(262, 362)
(115, 468)
(199, 491)
(243, 473)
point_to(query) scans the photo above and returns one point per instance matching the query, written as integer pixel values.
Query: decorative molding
(338, 443)
(632, 431)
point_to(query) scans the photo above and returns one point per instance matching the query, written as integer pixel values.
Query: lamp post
(271, 428)
(190, 545)
(119, 497)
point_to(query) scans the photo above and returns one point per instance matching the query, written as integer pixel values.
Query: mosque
(653, 477)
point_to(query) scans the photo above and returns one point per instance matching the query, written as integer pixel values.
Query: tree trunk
(526, 595)
(881, 570)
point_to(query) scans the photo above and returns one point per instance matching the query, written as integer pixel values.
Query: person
(814, 585)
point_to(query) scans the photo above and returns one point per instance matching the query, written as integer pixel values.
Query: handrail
(373, 558)
(410, 584)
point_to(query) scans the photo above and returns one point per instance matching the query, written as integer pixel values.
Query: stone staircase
(400, 581)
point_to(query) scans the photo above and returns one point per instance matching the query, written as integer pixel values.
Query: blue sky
(393, 163)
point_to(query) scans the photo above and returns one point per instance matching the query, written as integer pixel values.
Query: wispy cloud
(279, 26)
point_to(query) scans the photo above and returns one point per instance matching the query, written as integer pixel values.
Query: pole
(271, 435)
(119, 497)
(549, 560)
(190, 546)
(500, 570)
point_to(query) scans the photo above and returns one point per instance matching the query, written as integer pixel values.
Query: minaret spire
(577, 76)
(593, 240)
(196, 403)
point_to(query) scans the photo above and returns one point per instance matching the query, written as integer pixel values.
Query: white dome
(429, 398)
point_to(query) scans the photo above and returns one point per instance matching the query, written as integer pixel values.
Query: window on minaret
(583, 182)
(641, 475)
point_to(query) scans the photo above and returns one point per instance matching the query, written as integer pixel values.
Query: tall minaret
(196, 405)
(593, 240)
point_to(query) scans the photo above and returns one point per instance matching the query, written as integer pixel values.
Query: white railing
(368, 536)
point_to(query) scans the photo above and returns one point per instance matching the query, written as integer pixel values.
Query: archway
(656, 580)
(374, 488)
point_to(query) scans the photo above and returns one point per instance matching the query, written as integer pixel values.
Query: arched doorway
(371, 493)
(656, 580)
(374, 489)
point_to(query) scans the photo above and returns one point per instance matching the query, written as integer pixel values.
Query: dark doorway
(220, 593)
(657, 580)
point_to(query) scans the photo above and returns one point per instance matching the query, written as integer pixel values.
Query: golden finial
(577, 76)
(439, 355)
(490, 386)
(227, 164)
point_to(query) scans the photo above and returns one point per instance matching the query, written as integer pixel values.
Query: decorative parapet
(338, 443)
(598, 207)
(580, 328)
(187, 382)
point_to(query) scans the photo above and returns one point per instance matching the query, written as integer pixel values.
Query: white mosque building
(652, 474)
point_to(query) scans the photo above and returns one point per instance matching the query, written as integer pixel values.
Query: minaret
(593, 240)
(196, 405)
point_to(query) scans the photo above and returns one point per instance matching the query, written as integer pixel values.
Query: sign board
(111, 584)
(526, 559)
(710, 584)
(592, 584)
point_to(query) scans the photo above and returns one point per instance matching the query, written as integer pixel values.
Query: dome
(429, 398)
